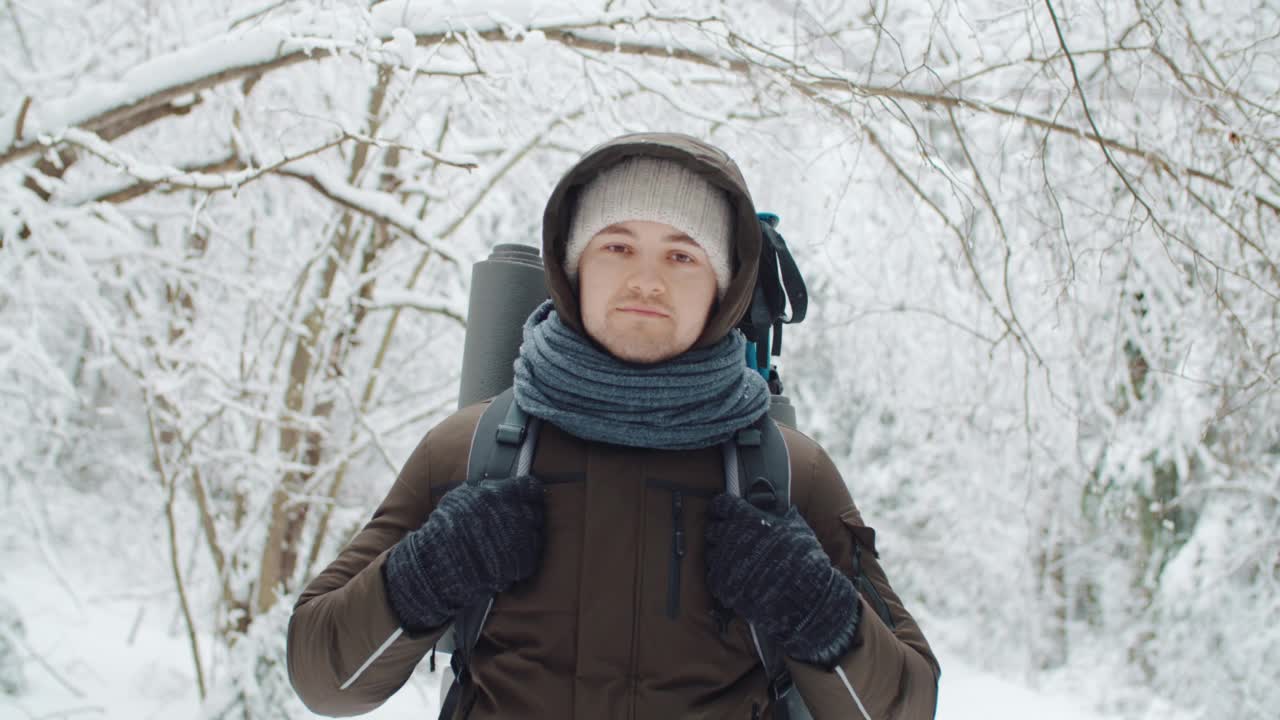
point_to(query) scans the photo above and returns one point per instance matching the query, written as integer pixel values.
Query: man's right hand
(480, 539)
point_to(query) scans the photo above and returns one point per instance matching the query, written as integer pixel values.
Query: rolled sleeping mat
(505, 289)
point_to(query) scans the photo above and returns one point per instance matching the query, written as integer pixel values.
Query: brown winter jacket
(613, 625)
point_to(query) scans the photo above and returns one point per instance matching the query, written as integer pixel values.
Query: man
(625, 577)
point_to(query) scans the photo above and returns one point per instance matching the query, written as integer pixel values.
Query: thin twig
(1124, 177)
(22, 117)
(211, 535)
(130, 116)
(414, 230)
(257, 14)
(462, 163)
(1084, 104)
(901, 308)
(22, 35)
(375, 438)
(227, 164)
(977, 176)
(171, 485)
(964, 245)
(16, 640)
(172, 177)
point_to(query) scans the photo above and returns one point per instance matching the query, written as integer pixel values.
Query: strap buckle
(461, 673)
(781, 686)
(510, 434)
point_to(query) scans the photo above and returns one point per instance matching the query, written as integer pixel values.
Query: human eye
(683, 258)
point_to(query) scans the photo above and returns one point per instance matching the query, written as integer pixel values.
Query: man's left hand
(771, 570)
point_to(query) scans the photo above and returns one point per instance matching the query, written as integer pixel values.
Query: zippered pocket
(865, 537)
(677, 554)
(868, 589)
(677, 544)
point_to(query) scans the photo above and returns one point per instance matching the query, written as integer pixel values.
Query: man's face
(645, 290)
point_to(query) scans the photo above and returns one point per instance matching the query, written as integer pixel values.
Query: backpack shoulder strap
(757, 467)
(498, 439)
(759, 453)
(502, 446)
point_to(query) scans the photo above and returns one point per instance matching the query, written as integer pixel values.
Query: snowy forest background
(1041, 239)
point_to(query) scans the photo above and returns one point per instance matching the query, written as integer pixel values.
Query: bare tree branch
(132, 114)
(65, 157)
(21, 122)
(170, 485)
(1124, 177)
(15, 640)
(210, 529)
(170, 177)
(1020, 337)
(22, 35)
(380, 207)
(227, 164)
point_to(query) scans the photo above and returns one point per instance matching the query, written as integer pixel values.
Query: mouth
(645, 312)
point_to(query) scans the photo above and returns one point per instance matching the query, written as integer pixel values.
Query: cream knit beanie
(657, 190)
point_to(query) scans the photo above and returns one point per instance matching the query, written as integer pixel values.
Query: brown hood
(707, 160)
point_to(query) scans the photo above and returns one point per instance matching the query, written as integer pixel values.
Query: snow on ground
(126, 656)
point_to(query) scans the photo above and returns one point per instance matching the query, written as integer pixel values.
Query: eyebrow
(617, 229)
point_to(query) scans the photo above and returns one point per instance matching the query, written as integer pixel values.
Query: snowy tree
(235, 243)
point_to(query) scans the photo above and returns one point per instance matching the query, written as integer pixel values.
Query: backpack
(505, 439)
(503, 446)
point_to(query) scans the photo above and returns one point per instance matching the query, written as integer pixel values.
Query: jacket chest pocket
(675, 553)
(683, 639)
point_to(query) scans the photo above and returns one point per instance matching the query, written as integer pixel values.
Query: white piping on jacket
(756, 640)
(849, 686)
(381, 649)
(487, 609)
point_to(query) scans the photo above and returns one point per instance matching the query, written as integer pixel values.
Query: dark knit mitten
(773, 572)
(480, 539)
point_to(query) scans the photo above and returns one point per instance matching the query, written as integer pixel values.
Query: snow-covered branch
(165, 177)
(133, 101)
(240, 54)
(376, 205)
(392, 299)
(226, 173)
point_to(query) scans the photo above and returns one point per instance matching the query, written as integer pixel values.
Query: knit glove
(480, 539)
(772, 571)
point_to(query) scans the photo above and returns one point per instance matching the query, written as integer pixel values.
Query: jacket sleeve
(346, 650)
(890, 673)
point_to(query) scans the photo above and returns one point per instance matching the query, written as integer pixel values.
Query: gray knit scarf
(693, 400)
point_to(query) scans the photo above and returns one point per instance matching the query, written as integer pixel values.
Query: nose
(646, 282)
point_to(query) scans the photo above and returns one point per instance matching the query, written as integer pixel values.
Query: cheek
(591, 301)
(698, 323)
(701, 294)
(700, 298)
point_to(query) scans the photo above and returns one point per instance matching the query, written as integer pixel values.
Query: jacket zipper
(677, 554)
